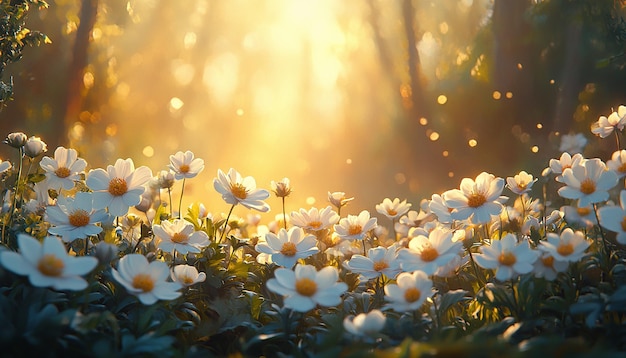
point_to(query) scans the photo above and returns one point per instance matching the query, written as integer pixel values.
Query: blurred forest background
(376, 98)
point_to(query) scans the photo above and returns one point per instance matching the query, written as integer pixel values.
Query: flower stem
(226, 223)
(284, 216)
(605, 247)
(180, 203)
(169, 194)
(15, 194)
(617, 140)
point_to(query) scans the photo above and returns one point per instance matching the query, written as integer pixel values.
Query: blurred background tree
(374, 98)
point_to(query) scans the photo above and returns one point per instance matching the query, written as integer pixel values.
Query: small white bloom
(119, 187)
(573, 143)
(520, 183)
(64, 169)
(410, 292)
(355, 227)
(393, 209)
(379, 260)
(428, 254)
(613, 218)
(286, 248)
(557, 166)
(569, 246)
(547, 267)
(236, 189)
(187, 275)
(617, 163)
(338, 199)
(305, 287)
(365, 324)
(508, 257)
(146, 280)
(314, 219)
(180, 235)
(477, 199)
(606, 125)
(75, 218)
(589, 182)
(47, 264)
(184, 165)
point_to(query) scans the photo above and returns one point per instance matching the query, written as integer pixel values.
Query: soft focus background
(375, 98)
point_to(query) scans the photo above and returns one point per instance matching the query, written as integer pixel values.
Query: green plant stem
(180, 203)
(605, 248)
(169, 194)
(284, 216)
(617, 139)
(15, 194)
(478, 276)
(226, 223)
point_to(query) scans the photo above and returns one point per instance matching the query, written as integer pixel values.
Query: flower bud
(282, 189)
(34, 146)
(105, 252)
(16, 139)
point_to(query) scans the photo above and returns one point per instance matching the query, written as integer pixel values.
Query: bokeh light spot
(148, 151)
(310, 200)
(496, 95)
(442, 99)
(472, 142)
(433, 136)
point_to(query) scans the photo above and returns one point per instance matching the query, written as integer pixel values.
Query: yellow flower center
(476, 199)
(624, 223)
(50, 265)
(355, 229)
(239, 191)
(306, 287)
(143, 282)
(587, 186)
(547, 261)
(315, 224)
(118, 187)
(622, 168)
(184, 168)
(429, 254)
(522, 186)
(565, 249)
(583, 211)
(380, 265)
(392, 212)
(62, 172)
(180, 238)
(187, 280)
(288, 249)
(79, 218)
(412, 294)
(507, 259)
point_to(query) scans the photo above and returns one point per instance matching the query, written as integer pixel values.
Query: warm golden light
(442, 99)
(472, 142)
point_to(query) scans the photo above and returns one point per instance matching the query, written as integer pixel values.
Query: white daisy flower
(379, 260)
(286, 248)
(146, 280)
(180, 235)
(119, 187)
(613, 218)
(354, 227)
(477, 200)
(305, 287)
(236, 189)
(604, 126)
(64, 169)
(410, 292)
(47, 264)
(428, 254)
(589, 182)
(557, 166)
(569, 246)
(184, 165)
(281, 188)
(547, 267)
(75, 218)
(365, 324)
(314, 219)
(617, 163)
(393, 209)
(508, 257)
(521, 183)
(187, 275)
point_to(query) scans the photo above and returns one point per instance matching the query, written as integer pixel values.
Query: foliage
(14, 37)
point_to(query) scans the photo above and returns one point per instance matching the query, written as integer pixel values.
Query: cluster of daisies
(475, 225)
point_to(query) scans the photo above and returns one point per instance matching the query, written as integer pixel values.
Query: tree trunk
(74, 96)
